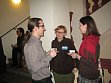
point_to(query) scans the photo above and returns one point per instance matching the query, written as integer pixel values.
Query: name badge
(64, 47)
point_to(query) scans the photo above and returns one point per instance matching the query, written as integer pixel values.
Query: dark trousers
(15, 59)
(45, 80)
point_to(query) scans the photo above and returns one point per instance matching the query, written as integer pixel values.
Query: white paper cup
(54, 49)
(71, 51)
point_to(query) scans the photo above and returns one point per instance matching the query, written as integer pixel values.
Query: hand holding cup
(53, 52)
(72, 54)
(71, 51)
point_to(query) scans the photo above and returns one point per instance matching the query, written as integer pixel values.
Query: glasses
(41, 26)
(59, 32)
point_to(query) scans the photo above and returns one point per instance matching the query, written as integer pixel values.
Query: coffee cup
(54, 49)
(71, 51)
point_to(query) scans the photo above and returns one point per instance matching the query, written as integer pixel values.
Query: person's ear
(85, 26)
(35, 28)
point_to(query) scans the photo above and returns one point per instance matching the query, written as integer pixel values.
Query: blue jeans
(84, 80)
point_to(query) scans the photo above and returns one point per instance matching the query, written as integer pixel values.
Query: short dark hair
(21, 30)
(33, 22)
(91, 25)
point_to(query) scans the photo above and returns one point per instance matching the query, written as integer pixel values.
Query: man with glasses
(37, 60)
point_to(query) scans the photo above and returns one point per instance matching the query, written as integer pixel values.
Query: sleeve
(90, 62)
(37, 62)
(54, 44)
(77, 63)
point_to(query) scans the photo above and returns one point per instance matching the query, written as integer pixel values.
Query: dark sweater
(63, 63)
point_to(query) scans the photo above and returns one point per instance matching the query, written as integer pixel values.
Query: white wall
(103, 20)
(76, 6)
(53, 13)
(10, 16)
(61, 14)
(105, 43)
(103, 17)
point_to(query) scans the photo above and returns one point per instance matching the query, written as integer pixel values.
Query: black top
(19, 43)
(63, 63)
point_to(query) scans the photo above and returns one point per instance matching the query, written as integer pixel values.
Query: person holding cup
(62, 65)
(89, 51)
(37, 60)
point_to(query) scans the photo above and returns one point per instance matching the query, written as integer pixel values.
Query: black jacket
(63, 63)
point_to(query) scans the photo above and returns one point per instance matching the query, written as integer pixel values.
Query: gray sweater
(36, 58)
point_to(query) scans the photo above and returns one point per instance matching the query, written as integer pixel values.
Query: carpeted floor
(15, 75)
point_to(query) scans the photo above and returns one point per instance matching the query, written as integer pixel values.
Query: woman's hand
(74, 55)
